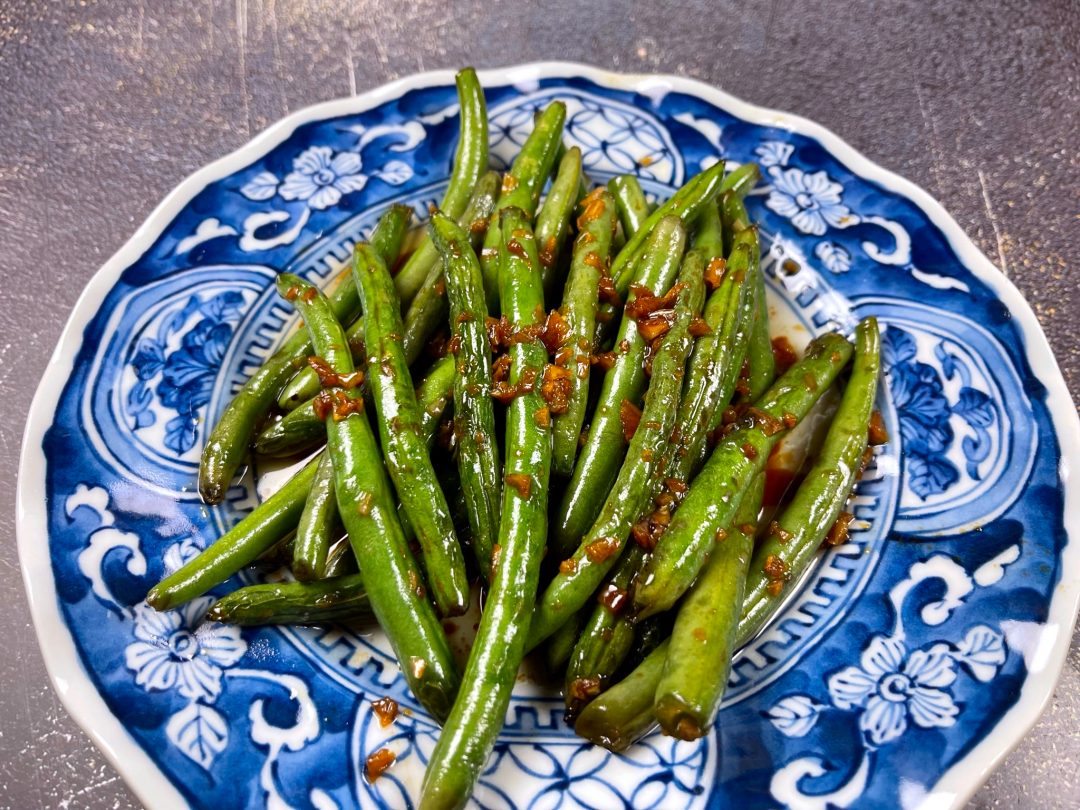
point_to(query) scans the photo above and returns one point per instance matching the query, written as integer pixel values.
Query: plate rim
(142, 775)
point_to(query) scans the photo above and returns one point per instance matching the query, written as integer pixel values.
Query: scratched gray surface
(104, 107)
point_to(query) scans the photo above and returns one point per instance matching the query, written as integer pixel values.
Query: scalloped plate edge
(82, 700)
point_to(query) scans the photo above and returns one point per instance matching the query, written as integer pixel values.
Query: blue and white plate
(909, 662)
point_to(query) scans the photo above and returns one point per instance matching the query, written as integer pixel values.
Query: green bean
(714, 366)
(741, 180)
(561, 644)
(592, 251)
(718, 489)
(227, 444)
(404, 448)
(323, 602)
(599, 548)
(624, 713)
(602, 453)
(630, 201)
(521, 189)
(389, 572)
(303, 430)
(606, 637)
(428, 310)
(553, 220)
(424, 312)
(470, 161)
(759, 353)
(685, 204)
(792, 541)
(702, 640)
(709, 232)
(239, 546)
(474, 413)
(478, 714)
(433, 395)
(340, 560)
(318, 524)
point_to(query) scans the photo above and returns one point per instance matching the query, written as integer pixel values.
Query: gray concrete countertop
(105, 106)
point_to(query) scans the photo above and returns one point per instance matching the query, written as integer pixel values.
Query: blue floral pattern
(925, 413)
(186, 375)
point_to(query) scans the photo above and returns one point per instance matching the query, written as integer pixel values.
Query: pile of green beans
(589, 345)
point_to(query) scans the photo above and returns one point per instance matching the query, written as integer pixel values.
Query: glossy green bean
(623, 714)
(474, 413)
(478, 714)
(601, 456)
(521, 189)
(599, 547)
(630, 202)
(404, 448)
(323, 602)
(560, 645)
(592, 252)
(555, 215)
(428, 309)
(718, 489)
(709, 232)
(302, 430)
(318, 525)
(702, 639)
(390, 574)
(686, 204)
(759, 353)
(470, 162)
(714, 366)
(227, 444)
(606, 637)
(239, 546)
(794, 538)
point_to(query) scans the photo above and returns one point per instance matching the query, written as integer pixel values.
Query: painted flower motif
(892, 687)
(320, 177)
(810, 201)
(176, 650)
(774, 153)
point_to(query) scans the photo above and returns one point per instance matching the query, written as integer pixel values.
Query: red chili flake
(376, 764)
(613, 598)
(555, 331)
(500, 369)
(542, 417)
(547, 252)
(526, 334)
(564, 355)
(522, 482)
(780, 533)
(386, 709)
(645, 303)
(606, 289)
(624, 346)
(310, 294)
(810, 381)
(721, 535)
(699, 327)
(328, 378)
(345, 406)
(876, 432)
(568, 567)
(790, 420)
(776, 569)
(515, 248)
(557, 387)
(323, 404)
(656, 324)
(838, 534)
(600, 550)
(503, 392)
(584, 688)
(714, 273)
(643, 535)
(478, 226)
(605, 360)
(749, 451)
(593, 209)
(292, 293)
(784, 354)
(509, 182)
(498, 332)
(629, 416)
(768, 423)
